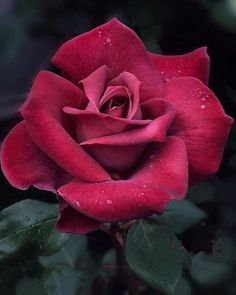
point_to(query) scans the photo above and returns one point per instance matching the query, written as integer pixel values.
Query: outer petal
(195, 64)
(200, 122)
(162, 177)
(112, 44)
(24, 164)
(47, 125)
(71, 221)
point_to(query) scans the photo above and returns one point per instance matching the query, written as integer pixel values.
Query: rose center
(116, 106)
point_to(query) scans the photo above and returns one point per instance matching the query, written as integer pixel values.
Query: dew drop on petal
(202, 106)
(109, 202)
(77, 203)
(145, 185)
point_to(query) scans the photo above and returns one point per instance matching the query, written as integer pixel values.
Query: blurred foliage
(205, 223)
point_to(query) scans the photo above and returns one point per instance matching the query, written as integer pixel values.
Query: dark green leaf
(183, 287)
(29, 224)
(181, 215)
(29, 285)
(60, 281)
(201, 193)
(154, 254)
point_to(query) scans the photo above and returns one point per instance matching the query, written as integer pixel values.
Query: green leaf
(71, 251)
(183, 287)
(60, 281)
(205, 271)
(29, 225)
(201, 193)
(181, 215)
(154, 254)
(29, 285)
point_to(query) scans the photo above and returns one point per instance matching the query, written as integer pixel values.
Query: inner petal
(116, 101)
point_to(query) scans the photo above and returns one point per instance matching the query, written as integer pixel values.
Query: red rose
(118, 135)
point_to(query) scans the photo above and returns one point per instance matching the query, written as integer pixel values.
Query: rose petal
(24, 164)
(71, 221)
(92, 125)
(94, 84)
(161, 178)
(133, 84)
(162, 114)
(200, 122)
(195, 64)
(112, 44)
(47, 126)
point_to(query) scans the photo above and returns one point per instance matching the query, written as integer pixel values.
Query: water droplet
(151, 165)
(167, 79)
(162, 73)
(109, 202)
(108, 40)
(203, 99)
(141, 194)
(202, 106)
(102, 192)
(77, 203)
(27, 218)
(145, 185)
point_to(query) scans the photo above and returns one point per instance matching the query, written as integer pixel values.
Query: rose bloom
(120, 133)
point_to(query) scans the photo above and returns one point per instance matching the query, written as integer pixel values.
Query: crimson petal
(44, 122)
(112, 44)
(195, 64)
(24, 164)
(162, 177)
(71, 221)
(200, 122)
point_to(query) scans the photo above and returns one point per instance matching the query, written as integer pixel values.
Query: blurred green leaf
(181, 215)
(60, 281)
(109, 261)
(154, 254)
(71, 251)
(183, 287)
(201, 193)
(29, 285)
(207, 272)
(73, 259)
(29, 224)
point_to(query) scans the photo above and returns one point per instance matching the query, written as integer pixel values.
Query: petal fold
(162, 177)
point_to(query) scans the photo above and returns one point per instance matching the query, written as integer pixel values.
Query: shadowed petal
(24, 164)
(71, 221)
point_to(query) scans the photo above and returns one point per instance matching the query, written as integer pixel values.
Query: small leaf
(207, 272)
(29, 224)
(181, 215)
(154, 254)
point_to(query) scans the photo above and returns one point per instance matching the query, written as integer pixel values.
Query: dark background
(32, 30)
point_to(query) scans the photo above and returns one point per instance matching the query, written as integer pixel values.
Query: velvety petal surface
(71, 221)
(94, 85)
(200, 122)
(112, 44)
(162, 177)
(44, 120)
(24, 164)
(195, 64)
